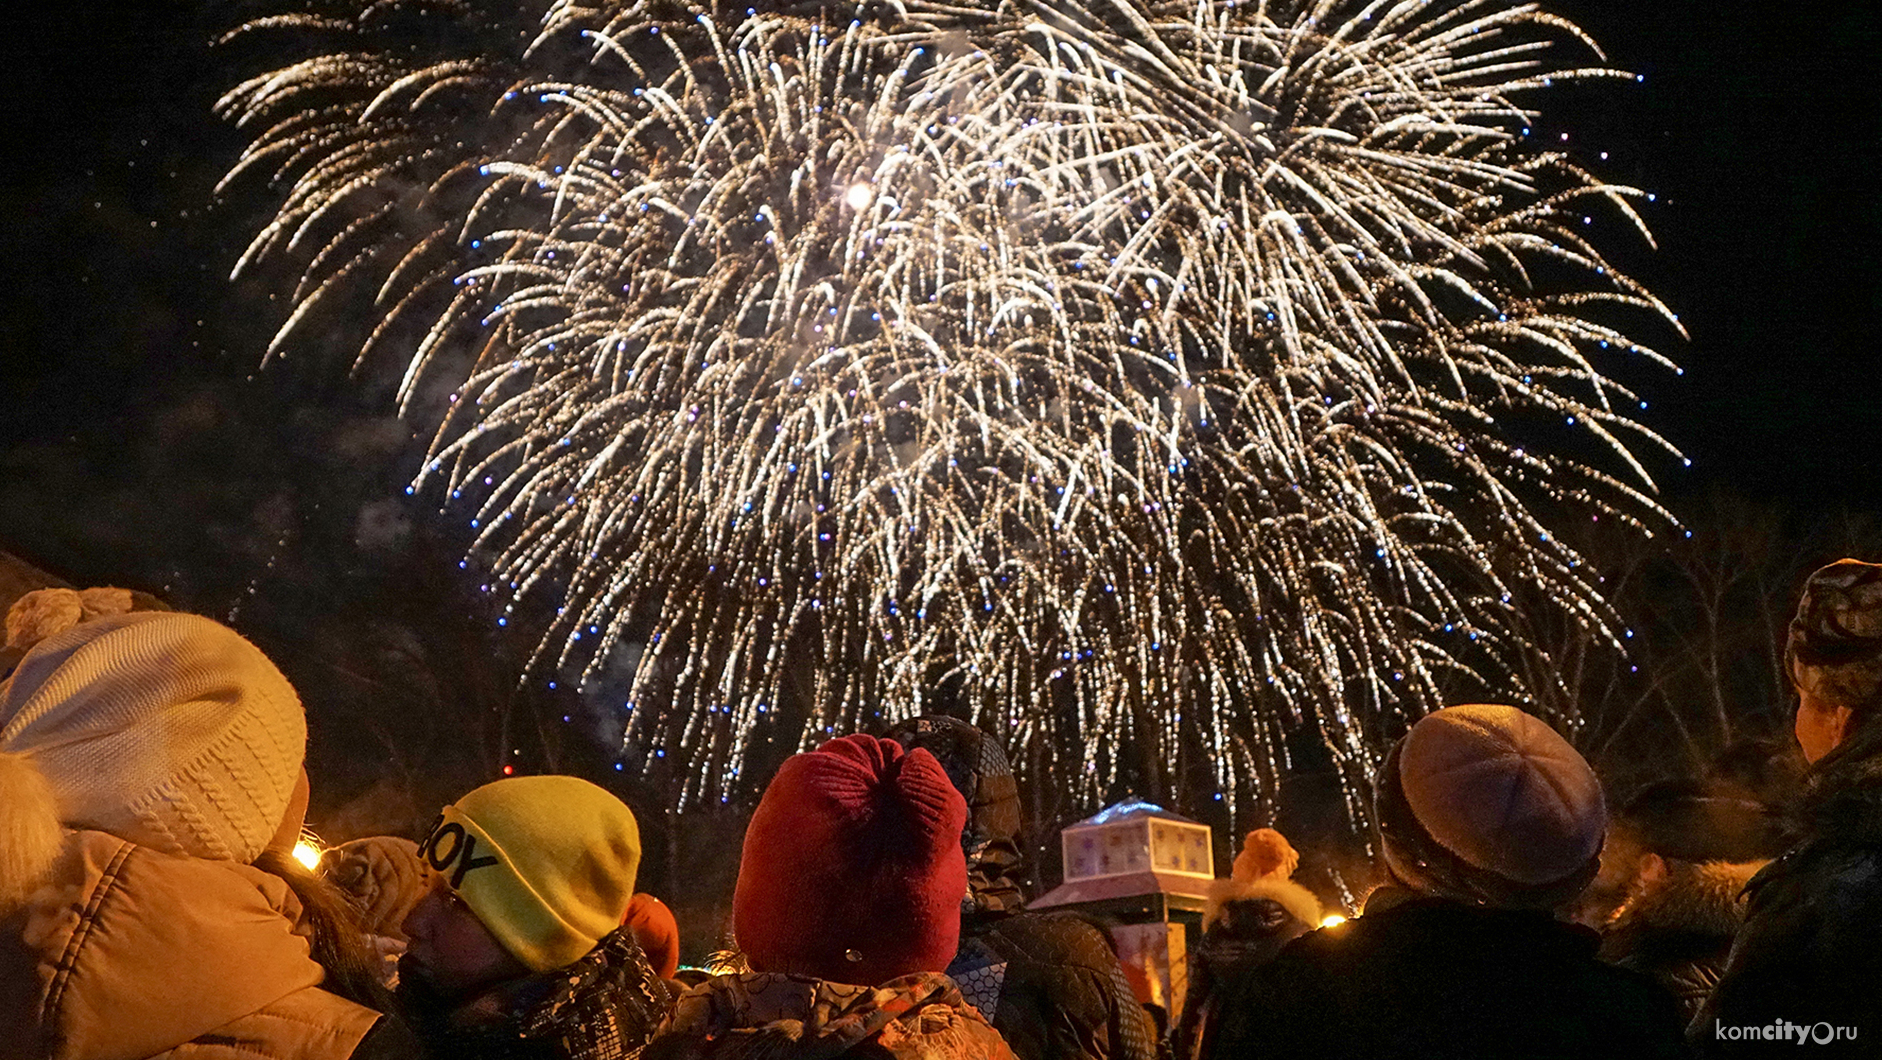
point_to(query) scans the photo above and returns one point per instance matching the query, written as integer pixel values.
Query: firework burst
(1148, 377)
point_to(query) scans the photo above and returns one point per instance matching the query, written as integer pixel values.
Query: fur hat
(1685, 819)
(168, 730)
(852, 868)
(547, 863)
(657, 932)
(1488, 805)
(383, 878)
(1835, 646)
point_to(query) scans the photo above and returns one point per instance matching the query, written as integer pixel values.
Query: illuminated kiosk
(1148, 871)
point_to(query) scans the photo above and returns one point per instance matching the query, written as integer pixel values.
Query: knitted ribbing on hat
(979, 770)
(852, 868)
(1835, 645)
(167, 730)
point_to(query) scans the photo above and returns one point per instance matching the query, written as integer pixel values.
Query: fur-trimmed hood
(1679, 930)
(1706, 898)
(1298, 901)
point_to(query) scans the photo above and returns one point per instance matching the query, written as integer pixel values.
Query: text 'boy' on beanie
(547, 863)
(168, 730)
(1835, 646)
(852, 868)
(1488, 805)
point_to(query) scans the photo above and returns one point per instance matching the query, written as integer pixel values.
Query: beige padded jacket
(128, 954)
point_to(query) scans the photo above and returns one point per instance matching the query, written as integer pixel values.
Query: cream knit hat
(167, 730)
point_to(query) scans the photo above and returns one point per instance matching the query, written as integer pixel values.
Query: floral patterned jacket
(603, 1007)
(758, 1016)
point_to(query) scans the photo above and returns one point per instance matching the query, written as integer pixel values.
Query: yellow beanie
(547, 863)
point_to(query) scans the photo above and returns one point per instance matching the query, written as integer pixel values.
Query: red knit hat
(852, 869)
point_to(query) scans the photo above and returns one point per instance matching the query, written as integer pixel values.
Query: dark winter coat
(1247, 923)
(1418, 978)
(1680, 931)
(605, 1006)
(758, 1016)
(1055, 988)
(1811, 949)
(1051, 984)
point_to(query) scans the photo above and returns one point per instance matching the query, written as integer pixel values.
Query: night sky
(1757, 128)
(1760, 129)
(131, 379)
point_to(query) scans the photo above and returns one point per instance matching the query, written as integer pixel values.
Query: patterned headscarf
(1835, 649)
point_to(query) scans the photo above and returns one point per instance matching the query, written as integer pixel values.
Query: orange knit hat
(1265, 852)
(657, 932)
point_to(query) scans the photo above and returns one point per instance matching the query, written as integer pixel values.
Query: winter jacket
(1680, 931)
(1247, 923)
(1050, 984)
(759, 1016)
(1054, 986)
(1810, 952)
(126, 953)
(1419, 977)
(605, 1006)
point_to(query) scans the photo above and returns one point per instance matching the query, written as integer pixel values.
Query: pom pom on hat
(852, 868)
(168, 730)
(1487, 804)
(1835, 644)
(546, 862)
(44, 613)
